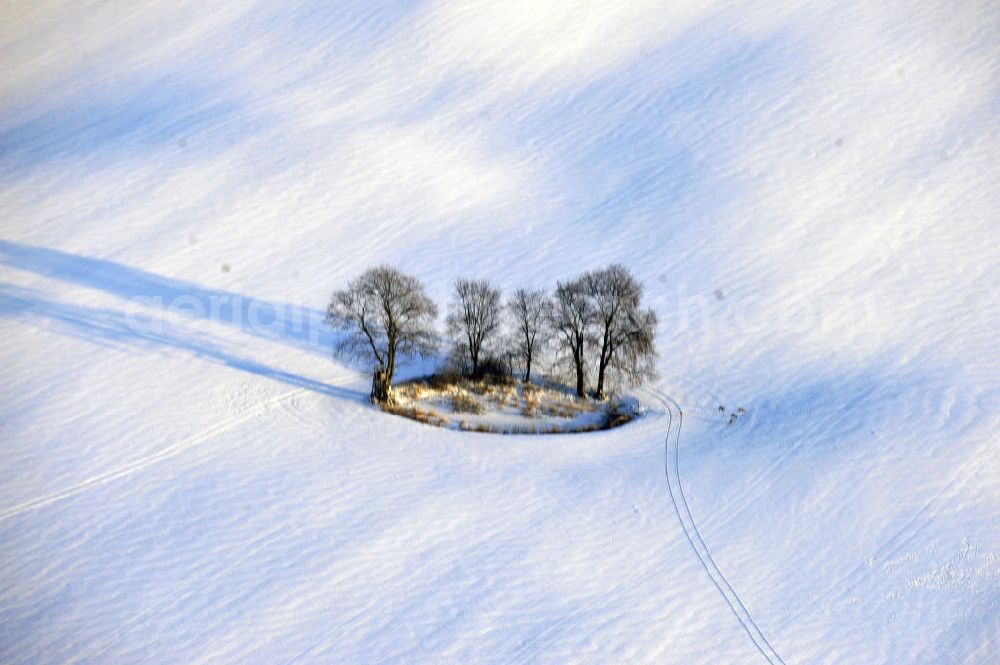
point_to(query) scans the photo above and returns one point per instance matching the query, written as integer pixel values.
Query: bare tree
(624, 332)
(529, 312)
(386, 315)
(474, 316)
(572, 320)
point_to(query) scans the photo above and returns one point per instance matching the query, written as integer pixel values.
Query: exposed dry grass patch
(413, 413)
(530, 404)
(464, 403)
(503, 407)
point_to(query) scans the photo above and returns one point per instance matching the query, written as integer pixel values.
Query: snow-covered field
(809, 192)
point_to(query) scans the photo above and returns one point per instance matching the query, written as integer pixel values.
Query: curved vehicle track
(693, 536)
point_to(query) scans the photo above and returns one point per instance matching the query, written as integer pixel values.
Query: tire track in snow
(693, 536)
(144, 462)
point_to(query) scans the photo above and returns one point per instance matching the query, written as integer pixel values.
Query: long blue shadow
(299, 327)
(112, 328)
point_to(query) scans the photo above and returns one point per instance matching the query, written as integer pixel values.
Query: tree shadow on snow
(113, 329)
(300, 327)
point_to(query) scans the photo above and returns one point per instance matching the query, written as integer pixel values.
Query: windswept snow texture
(809, 192)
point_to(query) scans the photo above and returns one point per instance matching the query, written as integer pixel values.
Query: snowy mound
(507, 408)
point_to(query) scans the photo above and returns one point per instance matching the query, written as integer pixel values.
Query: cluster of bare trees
(593, 324)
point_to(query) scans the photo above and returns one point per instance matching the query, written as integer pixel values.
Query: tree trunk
(390, 370)
(602, 364)
(380, 386)
(527, 369)
(581, 389)
(474, 353)
(600, 381)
